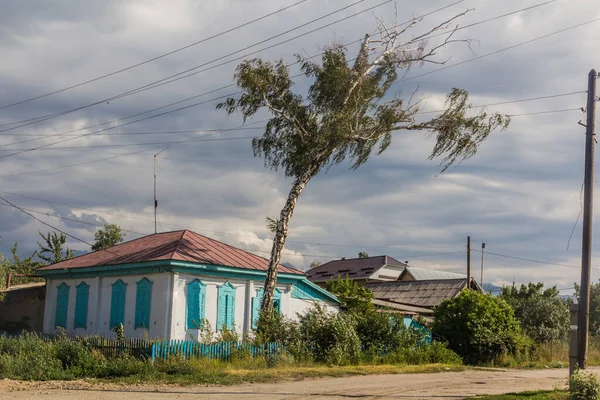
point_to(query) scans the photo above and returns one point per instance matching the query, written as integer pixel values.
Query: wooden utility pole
(468, 262)
(588, 200)
(482, 249)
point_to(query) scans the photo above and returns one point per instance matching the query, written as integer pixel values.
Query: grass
(537, 395)
(223, 373)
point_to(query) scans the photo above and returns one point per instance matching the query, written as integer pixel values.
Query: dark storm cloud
(520, 193)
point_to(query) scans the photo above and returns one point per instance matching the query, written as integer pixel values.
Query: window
(226, 306)
(117, 303)
(143, 300)
(196, 297)
(81, 305)
(256, 302)
(62, 305)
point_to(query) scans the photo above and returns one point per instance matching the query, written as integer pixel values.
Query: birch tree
(350, 113)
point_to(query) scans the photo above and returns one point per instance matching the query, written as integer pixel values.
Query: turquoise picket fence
(216, 351)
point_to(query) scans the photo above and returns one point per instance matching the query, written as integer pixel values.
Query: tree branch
(282, 114)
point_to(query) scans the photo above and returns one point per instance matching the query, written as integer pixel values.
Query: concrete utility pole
(588, 200)
(468, 262)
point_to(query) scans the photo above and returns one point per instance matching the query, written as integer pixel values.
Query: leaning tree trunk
(281, 235)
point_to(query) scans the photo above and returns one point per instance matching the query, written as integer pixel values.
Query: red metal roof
(177, 245)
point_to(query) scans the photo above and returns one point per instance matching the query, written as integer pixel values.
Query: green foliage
(274, 327)
(434, 353)
(584, 386)
(108, 237)
(53, 245)
(594, 307)
(543, 315)
(228, 335)
(363, 254)
(353, 296)
(271, 224)
(479, 327)
(382, 333)
(330, 337)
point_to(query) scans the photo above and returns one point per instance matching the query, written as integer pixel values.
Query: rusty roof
(417, 293)
(183, 245)
(354, 268)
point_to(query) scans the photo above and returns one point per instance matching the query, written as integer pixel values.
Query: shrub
(330, 337)
(125, 365)
(434, 353)
(275, 328)
(584, 386)
(381, 333)
(353, 296)
(479, 327)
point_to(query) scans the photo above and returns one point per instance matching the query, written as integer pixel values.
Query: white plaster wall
(178, 328)
(168, 307)
(98, 317)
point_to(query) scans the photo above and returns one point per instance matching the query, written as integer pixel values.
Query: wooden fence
(161, 350)
(216, 351)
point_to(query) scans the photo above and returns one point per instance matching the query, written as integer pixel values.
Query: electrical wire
(46, 147)
(356, 41)
(157, 57)
(497, 51)
(514, 101)
(232, 85)
(199, 130)
(181, 75)
(531, 260)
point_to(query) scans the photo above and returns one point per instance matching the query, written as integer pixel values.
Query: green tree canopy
(478, 327)
(353, 296)
(363, 254)
(348, 114)
(542, 314)
(51, 251)
(594, 306)
(107, 237)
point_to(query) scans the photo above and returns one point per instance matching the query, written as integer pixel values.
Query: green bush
(584, 386)
(77, 358)
(479, 327)
(125, 365)
(330, 337)
(434, 353)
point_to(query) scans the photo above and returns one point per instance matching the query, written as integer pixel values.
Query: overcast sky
(520, 194)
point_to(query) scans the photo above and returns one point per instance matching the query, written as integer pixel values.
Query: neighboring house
(418, 296)
(395, 284)
(164, 285)
(379, 268)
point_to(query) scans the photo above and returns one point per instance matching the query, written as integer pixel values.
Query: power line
(155, 58)
(181, 75)
(143, 133)
(42, 222)
(514, 101)
(231, 85)
(208, 231)
(498, 51)
(531, 260)
(117, 145)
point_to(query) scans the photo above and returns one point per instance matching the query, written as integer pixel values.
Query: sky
(520, 194)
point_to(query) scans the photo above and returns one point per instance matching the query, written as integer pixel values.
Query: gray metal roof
(421, 274)
(354, 268)
(417, 293)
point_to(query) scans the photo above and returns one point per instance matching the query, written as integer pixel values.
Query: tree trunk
(281, 235)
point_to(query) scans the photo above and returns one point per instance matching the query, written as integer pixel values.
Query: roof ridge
(178, 243)
(233, 247)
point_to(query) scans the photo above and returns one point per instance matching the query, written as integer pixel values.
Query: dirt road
(445, 385)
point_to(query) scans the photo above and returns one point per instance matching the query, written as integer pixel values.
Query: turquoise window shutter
(117, 303)
(255, 311)
(257, 301)
(226, 306)
(62, 305)
(143, 302)
(196, 295)
(82, 297)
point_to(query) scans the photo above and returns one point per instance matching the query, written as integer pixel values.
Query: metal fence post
(574, 310)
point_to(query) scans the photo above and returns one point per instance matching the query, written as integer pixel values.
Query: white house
(163, 285)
